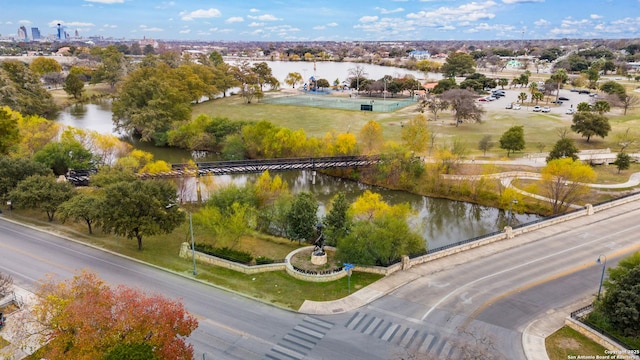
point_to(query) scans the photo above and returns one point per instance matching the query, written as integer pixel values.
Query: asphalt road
(493, 291)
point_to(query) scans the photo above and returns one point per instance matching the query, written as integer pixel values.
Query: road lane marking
(483, 307)
(453, 292)
(38, 258)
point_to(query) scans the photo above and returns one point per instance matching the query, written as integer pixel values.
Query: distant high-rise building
(22, 33)
(35, 33)
(62, 35)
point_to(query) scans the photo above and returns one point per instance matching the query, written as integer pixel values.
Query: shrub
(225, 253)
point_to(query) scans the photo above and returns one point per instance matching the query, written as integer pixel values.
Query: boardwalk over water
(81, 177)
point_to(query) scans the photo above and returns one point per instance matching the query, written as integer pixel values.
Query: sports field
(359, 103)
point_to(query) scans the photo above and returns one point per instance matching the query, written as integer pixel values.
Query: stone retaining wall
(311, 277)
(185, 252)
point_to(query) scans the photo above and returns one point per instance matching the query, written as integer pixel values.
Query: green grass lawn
(276, 287)
(568, 342)
(539, 128)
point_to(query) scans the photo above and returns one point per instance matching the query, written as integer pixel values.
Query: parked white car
(570, 111)
(546, 109)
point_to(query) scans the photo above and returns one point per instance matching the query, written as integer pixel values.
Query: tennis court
(344, 103)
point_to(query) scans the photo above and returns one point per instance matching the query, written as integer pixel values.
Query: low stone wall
(613, 347)
(185, 252)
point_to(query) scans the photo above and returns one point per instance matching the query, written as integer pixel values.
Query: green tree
(129, 351)
(522, 97)
(621, 302)
(112, 68)
(381, 241)
(563, 148)
(613, 88)
(9, 132)
(513, 139)
(227, 225)
(82, 207)
(565, 182)
(14, 170)
(589, 124)
(502, 82)
(337, 221)
(444, 85)
(593, 75)
(292, 79)
(264, 75)
(601, 106)
(22, 91)
(41, 192)
(623, 161)
(322, 84)
(216, 58)
(140, 208)
(149, 101)
(65, 155)
(458, 64)
(485, 144)
(44, 65)
(559, 77)
(584, 107)
(302, 217)
(74, 86)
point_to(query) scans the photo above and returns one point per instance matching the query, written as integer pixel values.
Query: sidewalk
(14, 330)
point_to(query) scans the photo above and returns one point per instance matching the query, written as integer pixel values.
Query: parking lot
(511, 96)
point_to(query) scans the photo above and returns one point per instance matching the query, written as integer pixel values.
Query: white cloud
(200, 14)
(254, 10)
(106, 1)
(265, 17)
(320, 27)
(74, 24)
(595, 16)
(542, 22)
(256, 24)
(521, 1)
(234, 19)
(444, 16)
(387, 11)
(185, 31)
(367, 19)
(24, 22)
(165, 5)
(150, 29)
(333, 24)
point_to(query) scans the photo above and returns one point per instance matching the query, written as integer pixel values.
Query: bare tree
(357, 72)
(6, 284)
(434, 104)
(463, 104)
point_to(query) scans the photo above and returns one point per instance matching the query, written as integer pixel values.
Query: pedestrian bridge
(81, 177)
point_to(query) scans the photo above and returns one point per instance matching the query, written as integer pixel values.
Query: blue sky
(338, 20)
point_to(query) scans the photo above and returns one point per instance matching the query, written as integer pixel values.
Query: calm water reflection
(442, 222)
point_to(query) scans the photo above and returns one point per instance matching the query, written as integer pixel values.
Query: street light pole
(193, 245)
(514, 201)
(604, 266)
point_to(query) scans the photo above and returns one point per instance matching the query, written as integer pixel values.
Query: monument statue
(319, 243)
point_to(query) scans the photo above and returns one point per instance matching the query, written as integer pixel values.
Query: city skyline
(330, 20)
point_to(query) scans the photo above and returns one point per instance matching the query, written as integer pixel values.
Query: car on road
(516, 107)
(563, 98)
(509, 106)
(537, 108)
(570, 111)
(546, 109)
(557, 102)
(584, 92)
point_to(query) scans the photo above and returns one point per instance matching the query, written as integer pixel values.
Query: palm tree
(522, 97)
(560, 77)
(502, 82)
(533, 88)
(537, 96)
(601, 106)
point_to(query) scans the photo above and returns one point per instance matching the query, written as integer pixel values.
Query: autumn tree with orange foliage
(84, 318)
